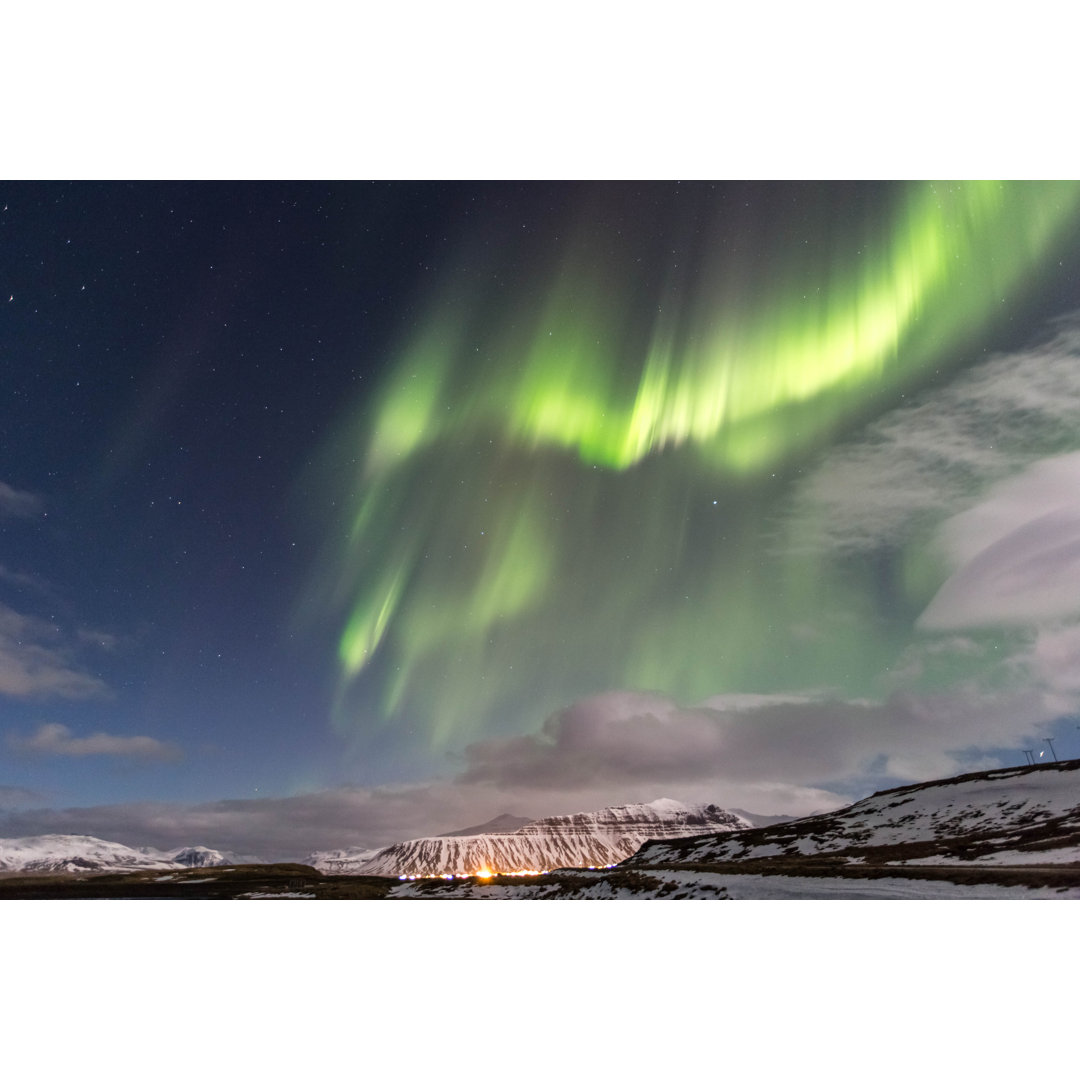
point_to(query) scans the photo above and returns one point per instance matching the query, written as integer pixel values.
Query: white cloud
(616, 741)
(939, 454)
(927, 655)
(100, 639)
(17, 503)
(35, 660)
(59, 740)
(11, 797)
(1051, 661)
(22, 580)
(1017, 553)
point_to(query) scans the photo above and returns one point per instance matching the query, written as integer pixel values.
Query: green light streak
(558, 492)
(954, 253)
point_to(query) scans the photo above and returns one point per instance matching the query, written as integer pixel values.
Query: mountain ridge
(1028, 814)
(597, 838)
(75, 853)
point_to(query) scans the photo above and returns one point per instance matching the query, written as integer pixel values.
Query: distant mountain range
(84, 854)
(591, 839)
(505, 844)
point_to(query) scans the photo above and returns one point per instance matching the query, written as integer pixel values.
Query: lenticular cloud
(1017, 554)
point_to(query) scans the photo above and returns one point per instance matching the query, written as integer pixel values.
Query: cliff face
(594, 839)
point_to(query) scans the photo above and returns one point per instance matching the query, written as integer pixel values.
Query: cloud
(59, 740)
(615, 740)
(35, 660)
(1017, 553)
(1051, 660)
(766, 755)
(288, 828)
(279, 828)
(100, 639)
(22, 580)
(15, 503)
(13, 797)
(292, 827)
(941, 452)
(930, 656)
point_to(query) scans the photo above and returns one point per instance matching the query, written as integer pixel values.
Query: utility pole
(1051, 744)
(1030, 756)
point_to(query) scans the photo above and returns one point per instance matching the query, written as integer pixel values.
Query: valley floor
(811, 880)
(672, 884)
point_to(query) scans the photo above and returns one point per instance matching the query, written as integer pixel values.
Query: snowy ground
(276, 896)
(693, 885)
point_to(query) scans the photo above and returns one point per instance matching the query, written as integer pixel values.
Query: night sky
(334, 514)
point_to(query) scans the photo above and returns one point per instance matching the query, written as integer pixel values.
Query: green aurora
(570, 485)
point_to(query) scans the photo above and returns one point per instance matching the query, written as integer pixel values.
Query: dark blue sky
(173, 355)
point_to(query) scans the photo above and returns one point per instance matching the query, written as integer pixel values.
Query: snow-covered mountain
(1019, 816)
(83, 854)
(592, 839)
(52, 853)
(204, 856)
(343, 860)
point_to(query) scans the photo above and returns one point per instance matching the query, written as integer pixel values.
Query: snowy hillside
(593, 839)
(343, 860)
(1025, 815)
(76, 853)
(83, 854)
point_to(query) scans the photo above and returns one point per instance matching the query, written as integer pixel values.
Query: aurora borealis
(563, 480)
(590, 372)
(346, 513)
